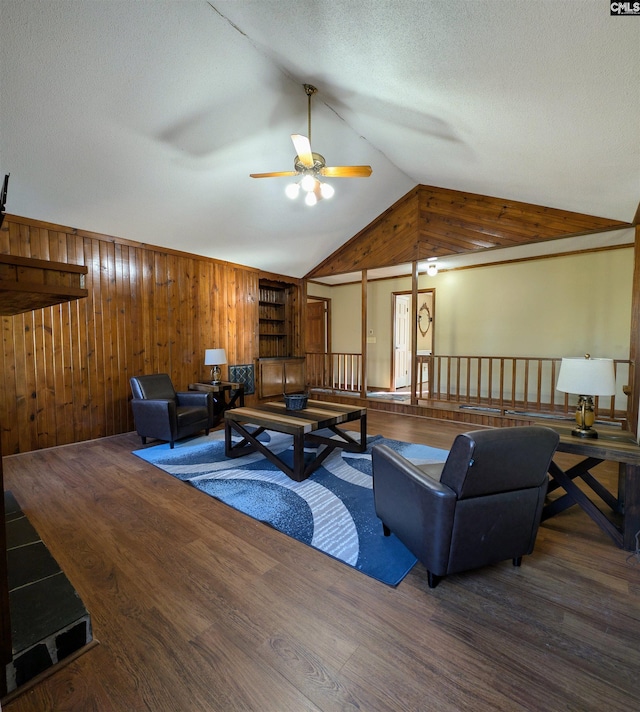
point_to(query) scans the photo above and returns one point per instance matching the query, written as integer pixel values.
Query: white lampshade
(214, 357)
(587, 376)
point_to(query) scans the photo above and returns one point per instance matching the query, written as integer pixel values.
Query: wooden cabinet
(276, 318)
(280, 375)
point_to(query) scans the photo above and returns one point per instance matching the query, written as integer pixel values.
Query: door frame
(327, 319)
(414, 328)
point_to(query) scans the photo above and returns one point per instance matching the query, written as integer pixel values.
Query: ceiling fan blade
(303, 150)
(278, 174)
(346, 171)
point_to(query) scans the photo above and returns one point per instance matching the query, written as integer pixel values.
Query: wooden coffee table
(302, 425)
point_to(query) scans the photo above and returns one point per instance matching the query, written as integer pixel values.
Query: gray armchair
(159, 412)
(481, 506)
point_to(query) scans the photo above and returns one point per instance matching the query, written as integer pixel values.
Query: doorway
(403, 334)
(401, 341)
(317, 339)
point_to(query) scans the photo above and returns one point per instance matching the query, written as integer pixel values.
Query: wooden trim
(363, 334)
(414, 333)
(634, 340)
(533, 258)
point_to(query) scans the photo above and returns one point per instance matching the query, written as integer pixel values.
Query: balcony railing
(508, 384)
(336, 371)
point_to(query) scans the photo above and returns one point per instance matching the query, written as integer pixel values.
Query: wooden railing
(337, 371)
(509, 384)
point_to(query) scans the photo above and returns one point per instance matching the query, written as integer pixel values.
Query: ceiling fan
(310, 166)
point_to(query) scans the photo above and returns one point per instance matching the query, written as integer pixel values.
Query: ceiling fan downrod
(310, 90)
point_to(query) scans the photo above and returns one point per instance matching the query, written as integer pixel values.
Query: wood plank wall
(65, 369)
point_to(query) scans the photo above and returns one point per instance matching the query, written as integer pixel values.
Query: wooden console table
(612, 445)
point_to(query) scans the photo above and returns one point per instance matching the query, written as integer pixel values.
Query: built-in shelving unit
(275, 318)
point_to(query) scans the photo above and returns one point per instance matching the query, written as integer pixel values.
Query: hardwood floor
(200, 608)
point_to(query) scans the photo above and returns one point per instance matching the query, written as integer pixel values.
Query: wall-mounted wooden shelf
(27, 284)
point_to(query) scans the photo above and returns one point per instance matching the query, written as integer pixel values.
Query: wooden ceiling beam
(431, 221)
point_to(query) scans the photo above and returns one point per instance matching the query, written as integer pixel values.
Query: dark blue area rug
(332, 510)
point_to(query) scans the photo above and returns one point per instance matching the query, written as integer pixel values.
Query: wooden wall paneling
(235, 316)
(81, 347)
(107, 337)
(95, 355)
(191, 328)
(203, 298)
(163, 351)
(135, 321)
(115, 325)
(23, 423)
(181, 333)
(44, 375)
(173, 321)
(65, 369)
(62, 367)
(247, 338)
(8, 389)
(40, 246)
(122, 305)
(148, 309)
(4, 237)
(188, 286)
(58, 246)
(227, 320)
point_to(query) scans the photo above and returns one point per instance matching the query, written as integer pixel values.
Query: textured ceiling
(143, 120)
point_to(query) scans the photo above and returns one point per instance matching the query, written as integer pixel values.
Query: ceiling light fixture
(432, 266)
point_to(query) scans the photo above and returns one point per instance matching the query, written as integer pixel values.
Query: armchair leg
(144, 441)
(433, 580)
(517, 561)
(385, 530)
(171, 445)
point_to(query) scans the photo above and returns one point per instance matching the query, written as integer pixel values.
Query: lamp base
(585, 417)
(579, 432)
(216, 376)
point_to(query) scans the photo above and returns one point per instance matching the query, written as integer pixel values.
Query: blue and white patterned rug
(332, 510)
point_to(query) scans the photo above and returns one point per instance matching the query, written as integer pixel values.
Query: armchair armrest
(194, 398)
(155, 417)
(416, 507)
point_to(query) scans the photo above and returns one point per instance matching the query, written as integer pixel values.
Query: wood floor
(199, 608)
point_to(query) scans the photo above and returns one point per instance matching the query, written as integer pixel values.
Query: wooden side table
(612, 445)
(223, 398)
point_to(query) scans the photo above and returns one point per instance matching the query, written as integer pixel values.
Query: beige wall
(557, 306)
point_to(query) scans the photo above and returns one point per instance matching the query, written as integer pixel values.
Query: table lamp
(215, 358)
(586, 377)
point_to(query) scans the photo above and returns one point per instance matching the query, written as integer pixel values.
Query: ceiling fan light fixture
(310, 198)
(292, 190)
(308, 183)
(326, 190)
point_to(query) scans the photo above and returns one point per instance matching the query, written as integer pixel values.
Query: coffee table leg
(298, 473)
(363, 432)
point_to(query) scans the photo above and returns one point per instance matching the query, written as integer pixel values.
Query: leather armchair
(483, 505)
(159, 412)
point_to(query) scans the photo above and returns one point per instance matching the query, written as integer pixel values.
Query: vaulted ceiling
(143, 120)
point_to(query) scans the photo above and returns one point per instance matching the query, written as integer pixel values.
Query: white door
(402, 341)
